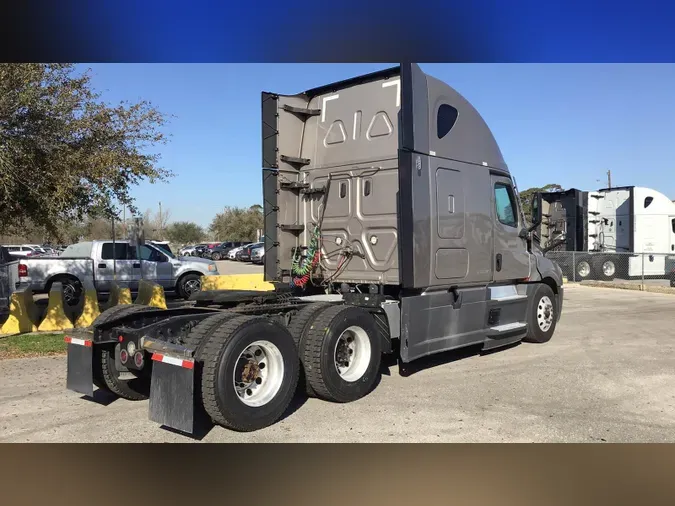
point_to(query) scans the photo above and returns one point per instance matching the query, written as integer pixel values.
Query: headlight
(213, 268)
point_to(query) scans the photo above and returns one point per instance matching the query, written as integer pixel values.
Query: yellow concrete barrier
(22, 313)
(90, 309)
(125, 296)
(55, 317)
(236, 282)
(151, 294)
(118, 295)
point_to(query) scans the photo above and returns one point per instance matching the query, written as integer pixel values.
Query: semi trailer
(621, 232)
(392, 226)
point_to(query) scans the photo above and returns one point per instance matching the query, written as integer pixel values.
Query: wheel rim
(216, 256)
(352, 354)
(192, 286)
(258, 373)
(69, 293)
(608, 268)
(545, 313)
(583, 268)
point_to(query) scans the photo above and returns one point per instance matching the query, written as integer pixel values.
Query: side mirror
(524, 233)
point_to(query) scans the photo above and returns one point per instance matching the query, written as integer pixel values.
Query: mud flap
(172, 402)
(79, 377)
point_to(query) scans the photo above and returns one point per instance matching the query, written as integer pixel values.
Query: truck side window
(672, 223)
(445, 120)
(506, 205)
(120, 252)
(148, 254)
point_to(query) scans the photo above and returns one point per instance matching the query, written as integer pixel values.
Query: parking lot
(608, 375)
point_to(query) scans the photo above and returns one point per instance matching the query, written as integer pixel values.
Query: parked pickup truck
(94, 260)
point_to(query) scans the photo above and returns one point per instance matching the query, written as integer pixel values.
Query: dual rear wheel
(251, 366)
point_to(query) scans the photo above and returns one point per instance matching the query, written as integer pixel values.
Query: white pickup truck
(103, 262)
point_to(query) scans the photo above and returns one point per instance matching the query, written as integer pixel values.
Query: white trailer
(627, 231)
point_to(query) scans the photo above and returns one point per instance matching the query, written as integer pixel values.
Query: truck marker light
(120, 338)
(186, 364)
(80, 342)
(138, 359)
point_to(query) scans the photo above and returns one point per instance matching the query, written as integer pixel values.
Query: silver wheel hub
(583, 269)
(192, 286)
(608, 268)
(352, 354)
(258, 373)
(545, 313)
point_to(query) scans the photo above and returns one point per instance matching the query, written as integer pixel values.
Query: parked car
(22, 250)
(232, 254)
(187, 251)
(221, 251)
(258, 255)
(244, 255)
(101, 262)
(204, 250)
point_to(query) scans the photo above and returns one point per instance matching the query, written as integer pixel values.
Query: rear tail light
(23, 270)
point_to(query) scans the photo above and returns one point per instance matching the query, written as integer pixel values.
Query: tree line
(232, 224)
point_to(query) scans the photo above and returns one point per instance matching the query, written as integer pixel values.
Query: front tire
(342, 354)
(189, 284)
(542, 315)
(250, 373)
(216, 257)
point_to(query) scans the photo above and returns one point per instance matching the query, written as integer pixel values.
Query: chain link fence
(643, 268)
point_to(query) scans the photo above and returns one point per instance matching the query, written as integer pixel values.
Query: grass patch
(32, 345)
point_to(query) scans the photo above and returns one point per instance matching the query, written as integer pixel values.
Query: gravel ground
(607, 375)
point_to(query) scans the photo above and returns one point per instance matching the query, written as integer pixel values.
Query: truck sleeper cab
(392, 225)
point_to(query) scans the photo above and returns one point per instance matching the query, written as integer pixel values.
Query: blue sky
(564, 124)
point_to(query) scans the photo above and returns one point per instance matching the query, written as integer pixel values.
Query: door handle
(499, 262)
(102, 266)
(137, 266)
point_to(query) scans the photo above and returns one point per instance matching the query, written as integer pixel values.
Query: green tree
(64, 153)
(237, 224)
(184, 232)
(526, 197)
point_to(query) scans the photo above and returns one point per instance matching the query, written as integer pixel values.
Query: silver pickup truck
(103, 262)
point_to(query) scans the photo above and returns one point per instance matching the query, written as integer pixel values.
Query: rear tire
(542, 315)
(259, 354)
(105, 368)
(342, 354)
(72, 289)
(216, 257)
(604, 268)
(583, 269)
(299, 326)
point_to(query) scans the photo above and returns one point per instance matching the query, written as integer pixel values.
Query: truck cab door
(156, 266)
(116, 264)
(511, 260)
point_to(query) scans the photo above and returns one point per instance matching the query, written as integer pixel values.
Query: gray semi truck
(392, 226)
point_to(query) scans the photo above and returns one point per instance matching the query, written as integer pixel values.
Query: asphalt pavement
(608, 375)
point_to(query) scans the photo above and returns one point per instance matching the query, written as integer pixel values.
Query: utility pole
(609, 179)
(161, 224)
